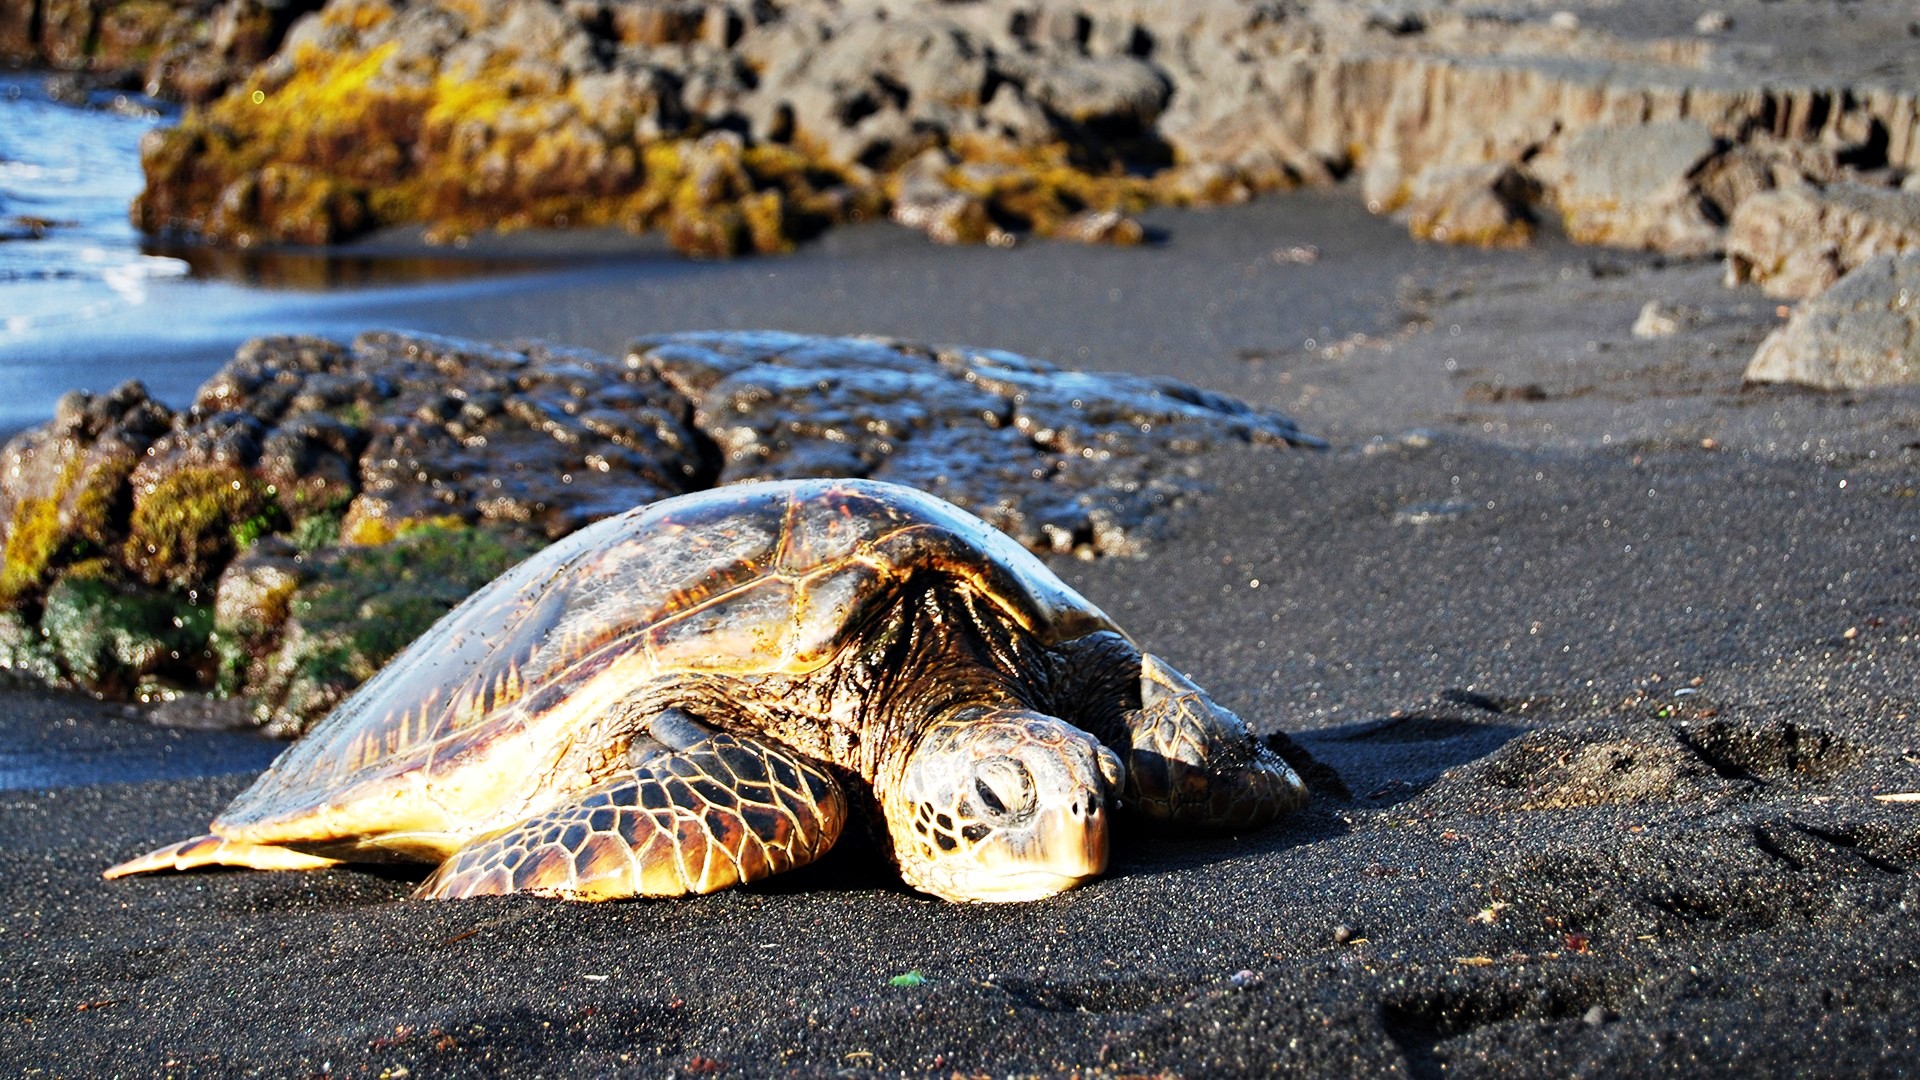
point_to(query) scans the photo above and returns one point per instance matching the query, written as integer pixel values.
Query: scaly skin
(723, 812)
(1001, 805)
(1192, 762)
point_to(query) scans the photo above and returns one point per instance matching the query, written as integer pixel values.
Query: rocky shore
(739, 127)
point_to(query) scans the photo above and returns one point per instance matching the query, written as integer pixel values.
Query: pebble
(1713, 22)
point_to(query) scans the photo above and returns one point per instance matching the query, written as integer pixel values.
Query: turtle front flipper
(1196, 763)
(696, 815)
(213, 850)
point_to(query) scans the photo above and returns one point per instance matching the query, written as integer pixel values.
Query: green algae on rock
(111, 637)
(319, 504)
(297, 635)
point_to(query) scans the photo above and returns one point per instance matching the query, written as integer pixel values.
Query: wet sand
(1604, 657)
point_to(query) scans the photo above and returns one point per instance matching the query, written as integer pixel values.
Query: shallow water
(67, 174)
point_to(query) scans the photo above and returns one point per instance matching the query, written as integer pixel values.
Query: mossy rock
(25, 653)
(108, 638)
(187, 524)
(365, 604)
(32, 537)
(67, 515)
(250, 609)
(330, 143)
(128, 34)
(385, 596)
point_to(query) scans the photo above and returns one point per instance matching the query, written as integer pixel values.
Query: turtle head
(1002, 806)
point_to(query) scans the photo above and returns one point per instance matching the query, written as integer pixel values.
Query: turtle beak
(1004, 810)
(1067, 848)
(1076, 837)
(1068, 844)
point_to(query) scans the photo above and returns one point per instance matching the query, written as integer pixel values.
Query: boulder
(1660, 319)
(870, 91)
(1115, 94)
(924, 198)
(1100, 227)
(1797, 242)
(1864, 331)
(1632, 185)
(1481, 205)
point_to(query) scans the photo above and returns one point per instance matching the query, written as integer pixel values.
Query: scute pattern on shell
(751, 579)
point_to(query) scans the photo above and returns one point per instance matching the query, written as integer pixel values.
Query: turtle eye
(1004, 787)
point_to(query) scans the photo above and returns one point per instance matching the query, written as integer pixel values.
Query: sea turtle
(694, 694)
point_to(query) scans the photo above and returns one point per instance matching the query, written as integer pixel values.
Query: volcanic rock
(1631, 185)
(186, 49)
(1798, 241)
(1483, 205)
(1865, 331)
(470, 115)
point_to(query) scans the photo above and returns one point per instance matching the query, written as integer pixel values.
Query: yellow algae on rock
(346, 142)
(468, 115)
(184, 521)
(32, 536)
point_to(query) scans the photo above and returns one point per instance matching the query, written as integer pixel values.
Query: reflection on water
(318, 270)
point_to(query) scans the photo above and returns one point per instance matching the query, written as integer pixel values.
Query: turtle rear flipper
(210, 850)
(717, 811)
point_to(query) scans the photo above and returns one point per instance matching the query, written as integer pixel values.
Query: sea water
(67, 174)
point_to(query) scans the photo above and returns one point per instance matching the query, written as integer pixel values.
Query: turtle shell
(474, 718)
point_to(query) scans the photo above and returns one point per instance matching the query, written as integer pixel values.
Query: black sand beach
(1607, 663)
